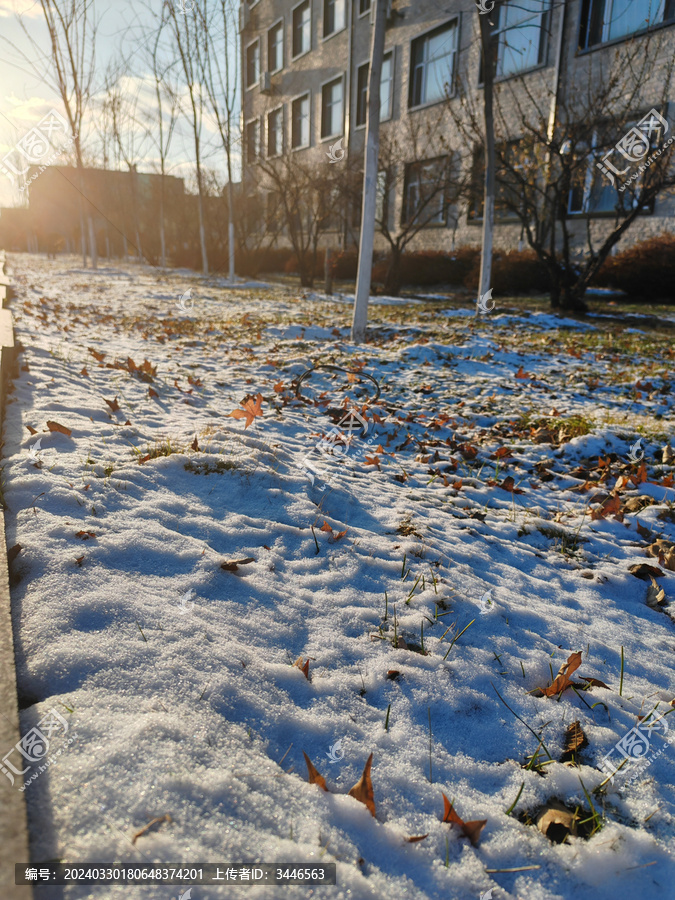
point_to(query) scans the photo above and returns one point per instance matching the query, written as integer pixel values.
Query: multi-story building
(305, 76)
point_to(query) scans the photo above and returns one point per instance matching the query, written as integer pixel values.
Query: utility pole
(368, 209)
(489, 49)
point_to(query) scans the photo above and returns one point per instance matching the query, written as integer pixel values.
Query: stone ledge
(13, 823)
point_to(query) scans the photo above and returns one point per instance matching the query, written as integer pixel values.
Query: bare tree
(69, 66)
(185, 31)
(560, 181)
(418, 164)
(219, 63)
(307, 194)
(489, 57)
(120, 106)
(166, 98)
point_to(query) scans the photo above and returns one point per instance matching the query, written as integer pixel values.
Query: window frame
(256, 83)
(253, 121)
(271, 112)
(323, 85)
(283, 48)
(308, 95)
(366, 11)
(448, 24)
(366, 63)
(591, 177)
(545, 18)
(406, 218)
(327, 36)
(303, 52)
(648, 29)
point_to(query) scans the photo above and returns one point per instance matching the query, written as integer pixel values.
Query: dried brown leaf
(471, 830)
(363, 789)
(232, 565)
(562, 679)
(313, 776)
(54, 426)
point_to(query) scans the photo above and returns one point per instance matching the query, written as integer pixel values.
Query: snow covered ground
(441, 566)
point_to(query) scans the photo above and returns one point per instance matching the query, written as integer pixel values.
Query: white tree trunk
(367, 237)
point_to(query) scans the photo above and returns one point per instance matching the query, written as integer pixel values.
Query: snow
(176, 676)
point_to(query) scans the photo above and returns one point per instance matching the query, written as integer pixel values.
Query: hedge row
(644, 271)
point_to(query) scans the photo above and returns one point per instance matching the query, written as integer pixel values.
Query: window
(514, 161)
(252, 140)
(386, 90)
(331, 108)
(302, 29)
(607, 20)
(252, 64)
(364, 7)
(300, 122)
(521, 35)
(275, 47)
(333, 16)
(387, 87)
(424, 198)
(432, 64)
(275, 132)
(598, 186)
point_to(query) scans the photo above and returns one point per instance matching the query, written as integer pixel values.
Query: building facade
(304, 95)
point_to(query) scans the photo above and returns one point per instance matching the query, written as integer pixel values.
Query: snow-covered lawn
(485, 523)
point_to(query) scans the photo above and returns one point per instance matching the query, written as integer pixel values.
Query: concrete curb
(13, 821)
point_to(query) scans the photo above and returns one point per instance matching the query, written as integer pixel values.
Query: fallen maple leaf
(521, 373)
(303, 666)
(54, 426)
(85, 535)
(84, 372)
(32, 430)
(575, 740)
(611, 505)
(562, 679)
(656, 596)
(113, 404)
(363, 789)
(326, 527)
(99, 357)
(79, 560)
(313, 776)
(250, 410)
(645, 571)
(152, 393)
(508, 484)
(279, 387)
(233, 564)
(471, 830)
(195, 444)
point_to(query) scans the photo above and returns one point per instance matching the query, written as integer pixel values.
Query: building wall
(340, 55)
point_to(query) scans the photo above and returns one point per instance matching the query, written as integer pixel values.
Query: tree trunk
(488, 48)
(93, 249)
(368, 212)
(202, 231)
(392, 281)
(230, 228)
(162, 237)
